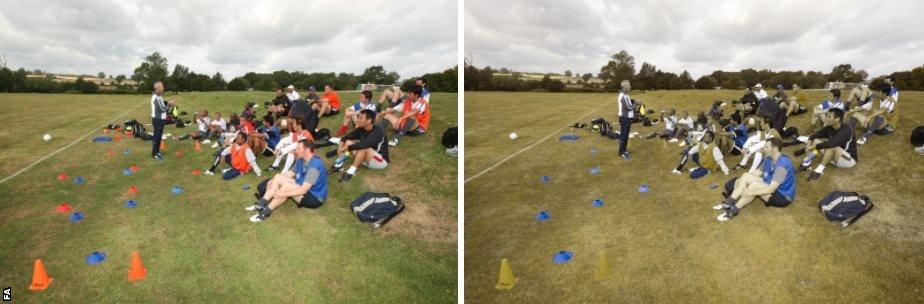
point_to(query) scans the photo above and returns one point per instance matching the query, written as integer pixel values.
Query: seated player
(238, 156)
(705, 154)
(669, 130)
(202, 127)
(285, 148)
(834, 101)
(754, 144)
(367, 145)
(792, 103)
(217, 126)
(280, 105)
(740, 132)
(835, 143)
(350, 114)
(255, 139)
(390, 97)
(759, 92)
(306, 185)
(270, 132)
(424, 91)
(328, 104)
(875, 120)
(684, 125)
(774, 183)
(411, 117)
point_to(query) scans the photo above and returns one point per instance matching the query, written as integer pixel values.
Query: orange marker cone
(178, 153)
(137, 271)
(132, 189)
(196, 172)
(110, 153)
(40, 279)
(63, 176)
(163, 145)
(198, 146)
(506, 280)
(117, 137)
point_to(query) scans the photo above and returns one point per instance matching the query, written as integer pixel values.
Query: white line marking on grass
(55, 152)
(492, 167)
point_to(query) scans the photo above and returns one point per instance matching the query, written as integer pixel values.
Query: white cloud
(233, 37)
(698, 36)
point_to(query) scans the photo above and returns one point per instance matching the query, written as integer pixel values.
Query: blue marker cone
(76, 217)
(595, 170)
(176, 190)
(597, 203)
(593, 151)
(96, 257)
(713, 186)
(545, 179)
(131, 204)
(127, 172)
(246, 187)
(79, 180)
(562, 257)
(127, 152)
(643, 188)
(543, 216)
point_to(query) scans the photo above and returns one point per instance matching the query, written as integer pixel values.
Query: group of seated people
(289, 133)
(757, 131)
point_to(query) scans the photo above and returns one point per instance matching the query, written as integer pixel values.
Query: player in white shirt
(876, 120)
(669, 121)
(202, 127)
(349, 115)
(752, 147)
(291, 93)
(759, 92)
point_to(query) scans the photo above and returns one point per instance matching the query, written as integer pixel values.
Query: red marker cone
(110, 153)
(137, 271)
(198, 146)
(64, 208)
(40, 279)
(163, 145)
(132, 189)
(134, 168)
(63, 176)
(117, 137)
(178, 153)
(196, 172)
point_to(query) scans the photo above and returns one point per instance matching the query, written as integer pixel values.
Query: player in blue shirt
(306, 184)
(774, 183)
(349, 115)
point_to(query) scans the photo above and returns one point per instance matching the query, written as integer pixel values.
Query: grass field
(199, 246)
(666, 246)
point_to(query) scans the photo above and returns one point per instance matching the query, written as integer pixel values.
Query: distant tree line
(622, 66)
(154, 68)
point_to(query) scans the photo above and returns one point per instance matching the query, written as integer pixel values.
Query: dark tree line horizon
(648, 77)
(154, 67)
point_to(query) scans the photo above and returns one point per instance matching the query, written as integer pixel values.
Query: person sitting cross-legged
(774, 183)
(705, 154)
(306, 184)
(239, 156)
(367, 144)
(835, 142)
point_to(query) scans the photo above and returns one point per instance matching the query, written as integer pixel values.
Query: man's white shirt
(158, 99)
(293, 95)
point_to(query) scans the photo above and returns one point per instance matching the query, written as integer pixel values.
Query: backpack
(376, 208)
(451, 137)
(323, 134)
(606, 129)
(768, 108)
(917, 136)
(845, 207)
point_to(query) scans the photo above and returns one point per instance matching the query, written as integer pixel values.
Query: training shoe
(721, 206)
(334, 169)
(256, 218)
(207, 141)
(208, 173)
(215, 145)
(813, 176)
(272, 168)
(158, 157)
(675, 171)
(626, 156)
(802, 168)
(253, 207)
(861, 141)
(737, 167)
(393, 142)
(672, 140)
(345, 177)
(799, 152)
(725, 216)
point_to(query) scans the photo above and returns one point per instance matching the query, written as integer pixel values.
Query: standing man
(158, 116)
(626, 113)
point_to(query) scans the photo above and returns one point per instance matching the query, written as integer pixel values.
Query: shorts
(332, 112)
(415, 132)
(777, 200)
(844, 161)
(309, 201)
(377, 162)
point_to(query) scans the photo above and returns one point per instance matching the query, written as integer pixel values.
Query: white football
(46, 137)
(513, 136)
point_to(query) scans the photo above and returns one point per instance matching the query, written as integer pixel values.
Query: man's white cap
(290, 87)
(758, 86)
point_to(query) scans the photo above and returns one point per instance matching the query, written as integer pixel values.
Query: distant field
(199, 246)
(666, 246)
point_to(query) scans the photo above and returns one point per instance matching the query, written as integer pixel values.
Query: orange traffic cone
(137, 271)
(198, 146)
(40, 279)
(163, 145)
(132, 189)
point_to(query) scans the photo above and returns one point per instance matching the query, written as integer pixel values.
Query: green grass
(666, 246)
(199, 246)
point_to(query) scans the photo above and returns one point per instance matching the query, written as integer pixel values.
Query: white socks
(820, 169)
(351, 170)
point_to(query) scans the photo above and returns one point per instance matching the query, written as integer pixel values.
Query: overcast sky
(233, 37)
(700, 36)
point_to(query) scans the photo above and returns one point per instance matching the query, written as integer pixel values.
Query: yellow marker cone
(604, 271)
(506, 280)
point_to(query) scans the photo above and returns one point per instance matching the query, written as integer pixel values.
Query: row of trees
(154, 68)
(648, 77)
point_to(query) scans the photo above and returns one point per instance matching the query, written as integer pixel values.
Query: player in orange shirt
(329, 104)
